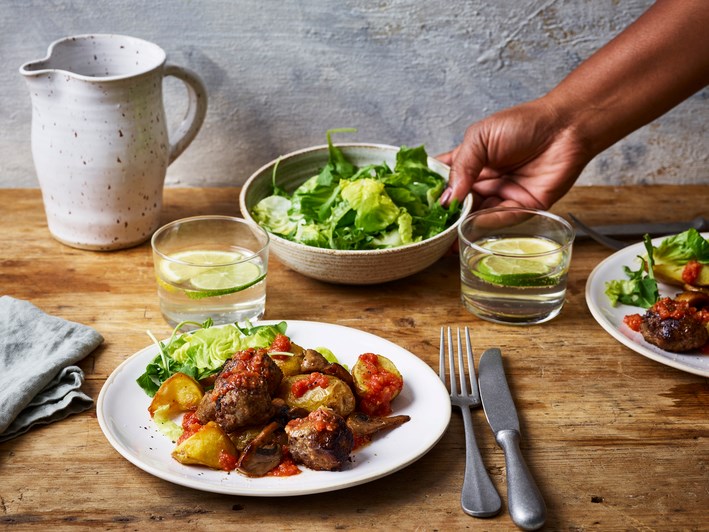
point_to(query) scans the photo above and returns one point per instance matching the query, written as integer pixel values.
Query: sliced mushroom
(363, 425)
(339, 371)
(312, 361)
(264, 452)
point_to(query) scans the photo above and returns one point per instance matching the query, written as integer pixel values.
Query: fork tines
(473, 394)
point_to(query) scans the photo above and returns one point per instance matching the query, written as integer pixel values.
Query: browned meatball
(672, 334)
(253, 361)
(674, 326)
(243, 391)
(207, 409)
(321, 441)
(249, 403)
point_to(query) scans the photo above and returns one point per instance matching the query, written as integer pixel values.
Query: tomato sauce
(227, 461)
(281, 343)
(703, 315)
(300, 387)
(286, 468)
(243, 380)
(382, 386)
(360, 441)
(670, 308)
(633, 321)
(691, 271)
(246, 369)
(190, 426)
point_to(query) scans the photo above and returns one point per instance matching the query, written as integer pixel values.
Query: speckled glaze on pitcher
(99, 137)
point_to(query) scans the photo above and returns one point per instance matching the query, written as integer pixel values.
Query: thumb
(468, 161)
(445, 158)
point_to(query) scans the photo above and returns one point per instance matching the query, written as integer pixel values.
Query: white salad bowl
(354, 267)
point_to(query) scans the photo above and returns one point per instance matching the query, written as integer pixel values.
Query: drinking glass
(514, 264)
(211, 267)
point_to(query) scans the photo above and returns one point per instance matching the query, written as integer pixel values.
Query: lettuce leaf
(202, 352)
(375, 211)
(274, 211)
(640, 289)
(683, 247)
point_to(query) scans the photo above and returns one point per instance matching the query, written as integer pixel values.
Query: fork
(479, 497)
(598, 237)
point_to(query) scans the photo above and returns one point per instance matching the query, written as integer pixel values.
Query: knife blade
(524, 500)
(653, 229)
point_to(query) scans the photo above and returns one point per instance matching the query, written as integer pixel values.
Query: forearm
(656, 63)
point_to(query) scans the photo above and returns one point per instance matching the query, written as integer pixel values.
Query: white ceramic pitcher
(99, 137)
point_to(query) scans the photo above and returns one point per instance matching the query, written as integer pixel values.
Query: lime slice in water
(507, 269)
(192, 262)
(211, 273)
(226, 277)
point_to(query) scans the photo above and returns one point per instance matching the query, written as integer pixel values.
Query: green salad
(202, 352)
(666, 262)
(349, 208)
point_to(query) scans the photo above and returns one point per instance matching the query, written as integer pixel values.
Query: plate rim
(246, 485)
(645, 349)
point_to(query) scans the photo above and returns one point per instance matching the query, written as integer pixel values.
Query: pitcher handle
(185, 133)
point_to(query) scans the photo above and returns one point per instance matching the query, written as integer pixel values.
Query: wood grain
(616, 441)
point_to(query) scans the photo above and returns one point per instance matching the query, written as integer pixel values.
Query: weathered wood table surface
(616, 441)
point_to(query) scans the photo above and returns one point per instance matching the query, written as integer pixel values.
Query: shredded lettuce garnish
(373, 207)
(165, 424)
(202, 352)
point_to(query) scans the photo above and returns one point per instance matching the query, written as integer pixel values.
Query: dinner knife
(524, 500)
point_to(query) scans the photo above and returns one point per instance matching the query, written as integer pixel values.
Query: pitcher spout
(35, 69)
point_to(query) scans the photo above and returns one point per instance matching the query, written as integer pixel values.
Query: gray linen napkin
(39, 382)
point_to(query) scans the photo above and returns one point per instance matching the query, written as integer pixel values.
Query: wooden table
(616, 441)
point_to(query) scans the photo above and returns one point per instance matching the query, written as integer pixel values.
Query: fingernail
(447, 193)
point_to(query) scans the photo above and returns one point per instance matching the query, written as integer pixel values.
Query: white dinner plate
(122, 410)
(611, 318)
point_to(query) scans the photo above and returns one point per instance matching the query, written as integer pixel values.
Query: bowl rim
(465, 208)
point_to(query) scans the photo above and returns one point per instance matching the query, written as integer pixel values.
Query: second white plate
(611, 318)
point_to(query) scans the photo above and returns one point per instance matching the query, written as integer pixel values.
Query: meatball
(264, 452)
(243, 391)
(248, 403)
(672, 326)
(321, 441)
(252, 361)
(207, 409)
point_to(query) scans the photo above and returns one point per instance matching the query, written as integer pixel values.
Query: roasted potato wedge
(179, 393)
(209, 446)
(377, 382)
(671, 273)
(290, 364)
(313, 390)
(694, 298)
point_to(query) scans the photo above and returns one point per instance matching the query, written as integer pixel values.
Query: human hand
(522, 156)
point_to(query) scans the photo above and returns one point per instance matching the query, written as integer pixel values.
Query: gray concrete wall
(280, 73)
